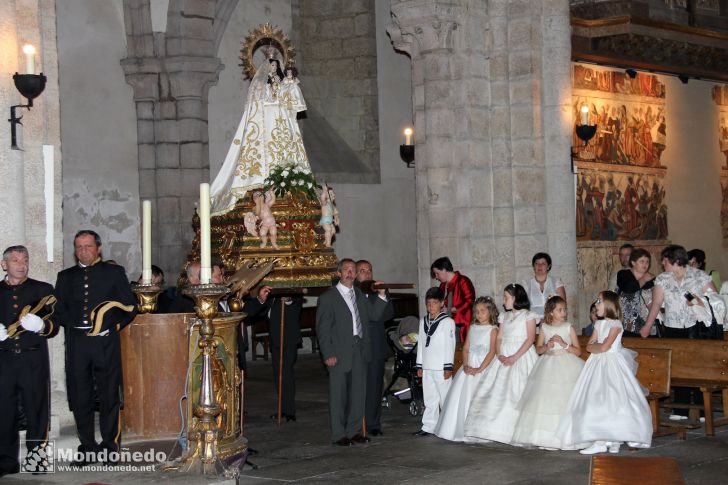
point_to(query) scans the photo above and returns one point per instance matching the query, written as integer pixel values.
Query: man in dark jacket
(93, 344)
(380, 351)
(26, 312)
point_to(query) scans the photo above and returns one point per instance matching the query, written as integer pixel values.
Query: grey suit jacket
(334, 327)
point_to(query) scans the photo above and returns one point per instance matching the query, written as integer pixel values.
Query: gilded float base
(302, 258)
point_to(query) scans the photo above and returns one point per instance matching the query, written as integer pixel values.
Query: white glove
(32, 323)
(3, 333)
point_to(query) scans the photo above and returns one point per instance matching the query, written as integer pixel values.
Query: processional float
(272, 224)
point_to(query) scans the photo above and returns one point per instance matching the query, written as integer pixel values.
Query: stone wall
(338, 63)
(100, 178)
(22, 201)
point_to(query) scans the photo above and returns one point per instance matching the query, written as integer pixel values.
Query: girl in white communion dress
(493, 414)
(478, 353)
(551, 380)
(608, 405)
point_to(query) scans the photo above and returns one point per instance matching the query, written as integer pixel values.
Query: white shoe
(593, 449)
(613, 447)
(676, 417)
(634, 444)
(546, 448)
(702, 420)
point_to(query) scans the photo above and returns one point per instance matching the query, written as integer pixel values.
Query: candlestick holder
(407, 154)
(147, 296)
(204, 455)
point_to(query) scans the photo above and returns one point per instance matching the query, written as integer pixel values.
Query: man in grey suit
(342, 327)
(380, 350)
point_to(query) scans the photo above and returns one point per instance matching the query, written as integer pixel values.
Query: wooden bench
(654, 374)
(610, 470)
(701, 364)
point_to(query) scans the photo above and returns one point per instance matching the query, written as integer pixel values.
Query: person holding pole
(285, 338)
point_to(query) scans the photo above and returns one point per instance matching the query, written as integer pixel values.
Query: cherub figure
(329, 214)
(249, 221)
(263, 204)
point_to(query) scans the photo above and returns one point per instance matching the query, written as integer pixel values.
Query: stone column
(490, 88)
(171, 102)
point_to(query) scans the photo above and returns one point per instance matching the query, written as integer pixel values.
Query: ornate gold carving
(303, 260)
(264, 35)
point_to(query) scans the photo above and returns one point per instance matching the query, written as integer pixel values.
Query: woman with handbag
(634, 287)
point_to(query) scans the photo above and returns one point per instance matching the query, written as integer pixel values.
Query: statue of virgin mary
(268, 135)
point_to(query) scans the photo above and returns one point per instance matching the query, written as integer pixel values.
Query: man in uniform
(93, 347)
(380, 349)
(24, 363)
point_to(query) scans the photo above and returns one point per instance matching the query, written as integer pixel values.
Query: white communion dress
(454, 411)
(607, 403)
(493, 414)
(548, 391)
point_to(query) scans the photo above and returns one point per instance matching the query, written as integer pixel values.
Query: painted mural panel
(613, 206)
(620, 191)
(720, 96)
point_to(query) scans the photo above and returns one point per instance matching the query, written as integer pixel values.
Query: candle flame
(584, 109)
(408, 131)
(29, 49)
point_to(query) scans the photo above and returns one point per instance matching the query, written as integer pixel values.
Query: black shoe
(343, 442)
(421, 432)
(376, 432)
(289, 417)
(359, 439)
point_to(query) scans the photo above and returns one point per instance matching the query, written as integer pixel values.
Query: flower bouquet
(290, 178)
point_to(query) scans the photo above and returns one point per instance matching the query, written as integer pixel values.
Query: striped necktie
(357, 320)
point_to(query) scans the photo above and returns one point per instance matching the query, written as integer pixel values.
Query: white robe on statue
(268, 135)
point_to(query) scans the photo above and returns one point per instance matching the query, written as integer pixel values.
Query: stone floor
(300, 451)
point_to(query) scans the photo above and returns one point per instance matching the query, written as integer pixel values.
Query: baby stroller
(403, 341)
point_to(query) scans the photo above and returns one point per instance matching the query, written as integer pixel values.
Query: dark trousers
(347, 390)
(375, 386)
(25, 375)
(89, 360)
(683, 395)
(290, 354)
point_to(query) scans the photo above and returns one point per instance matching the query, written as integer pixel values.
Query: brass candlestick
(147, 296)
(203, 454)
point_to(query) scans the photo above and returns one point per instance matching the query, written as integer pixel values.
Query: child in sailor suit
(435, 352)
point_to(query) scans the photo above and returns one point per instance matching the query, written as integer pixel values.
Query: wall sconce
(30, 86)
(407, 151)
(584, 131)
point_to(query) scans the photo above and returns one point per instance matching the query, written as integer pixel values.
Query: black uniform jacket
(13, 299)
(81, 289)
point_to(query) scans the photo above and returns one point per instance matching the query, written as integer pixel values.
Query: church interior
(140, 101)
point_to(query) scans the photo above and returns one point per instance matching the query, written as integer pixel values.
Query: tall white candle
(29, 52)
(205, 259)
(147, 242)
(48, 195)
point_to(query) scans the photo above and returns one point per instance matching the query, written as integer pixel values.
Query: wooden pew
(701, 364)
(654, 374)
